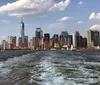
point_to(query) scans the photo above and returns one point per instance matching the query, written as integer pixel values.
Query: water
(52, 68)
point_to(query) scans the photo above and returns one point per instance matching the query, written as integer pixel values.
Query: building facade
(93, 37)
(22, 26)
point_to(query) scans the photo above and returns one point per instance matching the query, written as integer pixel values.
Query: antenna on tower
(21, 19)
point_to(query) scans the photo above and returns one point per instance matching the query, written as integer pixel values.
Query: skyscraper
(64, 33)
(46, 41)
(64, 38)
(39, 33)
(12, 41)
(26, 41)
(22, 32)
(93, 38)
(47, 37)
(20, 42)
(77, 39)
(4, 45)
(74, 40)
(38, 37)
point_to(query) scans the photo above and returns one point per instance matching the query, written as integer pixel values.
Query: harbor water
(51, 68)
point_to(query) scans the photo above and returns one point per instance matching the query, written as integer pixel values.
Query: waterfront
(52, 68)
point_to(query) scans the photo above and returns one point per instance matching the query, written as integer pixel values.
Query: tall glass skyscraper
(39, 33)
(22, 32)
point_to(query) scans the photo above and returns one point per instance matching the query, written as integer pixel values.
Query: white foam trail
(1, 64)
(3, 70)
(50, 75)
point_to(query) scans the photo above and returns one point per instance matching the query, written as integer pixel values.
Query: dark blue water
(52, 68)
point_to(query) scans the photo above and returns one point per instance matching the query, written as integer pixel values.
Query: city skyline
(43, 41)
(68, 15)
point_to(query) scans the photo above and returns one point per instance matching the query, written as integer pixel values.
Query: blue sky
(53, 16)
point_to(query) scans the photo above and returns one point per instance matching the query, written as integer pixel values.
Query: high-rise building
(20, 42)
(46, 41)
(12, 42)
(4, 45)
(31, 44)
(55, 39)
(26, 41)
(64, 33)
(10, 39)
(96, 38)
(22, 32)
(39, 33)
(36, 43)
(64, 38)
(41, 43)
(93, 38)
(69, 38)
(47, 37)
(90, 38)
(38, 37)
(84, 42)
(77, 40)
(74, 40)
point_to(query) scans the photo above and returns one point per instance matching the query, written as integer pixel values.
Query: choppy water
(52, 68)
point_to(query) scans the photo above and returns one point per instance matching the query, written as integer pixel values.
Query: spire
(21, 19)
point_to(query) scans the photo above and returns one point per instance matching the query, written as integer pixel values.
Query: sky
(52, 16)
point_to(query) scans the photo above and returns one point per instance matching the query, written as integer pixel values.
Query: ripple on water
(50, 68)
(69, 73)
(3, 70)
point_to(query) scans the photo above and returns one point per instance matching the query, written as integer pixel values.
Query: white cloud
(80, 22)
(60, 6)
(95, 27)
(65, 19)
(81, 3)
(22, 8)
(94, 16)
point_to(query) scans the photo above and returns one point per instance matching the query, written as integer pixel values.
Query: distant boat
(73, 49)
(52, 49)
